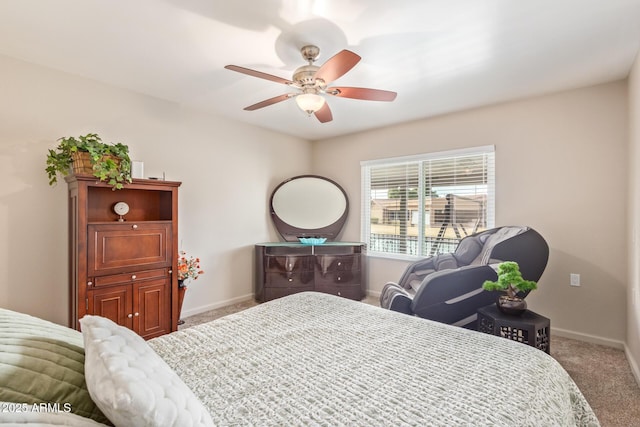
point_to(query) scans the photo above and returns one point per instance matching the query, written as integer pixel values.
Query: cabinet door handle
(130, 315)
(89, 283)
(133, 277)
(136, 314)
(134, 226)
(339, 264)
(290, 279)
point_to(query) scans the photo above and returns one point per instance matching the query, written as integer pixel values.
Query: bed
(319, 360)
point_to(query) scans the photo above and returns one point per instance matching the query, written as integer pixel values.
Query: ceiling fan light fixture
(311, 83)
(310, 102)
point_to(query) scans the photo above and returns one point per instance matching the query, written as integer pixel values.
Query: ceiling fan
(312, 80)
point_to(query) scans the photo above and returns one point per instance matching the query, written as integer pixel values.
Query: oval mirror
(309, 206)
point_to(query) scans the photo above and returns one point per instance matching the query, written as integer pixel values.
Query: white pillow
(131, 384)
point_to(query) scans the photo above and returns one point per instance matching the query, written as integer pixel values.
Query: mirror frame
(290, 233)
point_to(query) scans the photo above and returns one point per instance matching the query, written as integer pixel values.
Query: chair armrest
(449, 284)
(394, 298)
(446, 295)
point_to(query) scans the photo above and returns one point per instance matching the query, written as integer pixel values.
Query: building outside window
(421, 205)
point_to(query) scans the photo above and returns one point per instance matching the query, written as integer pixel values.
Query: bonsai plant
(510, 281)
(108, 162)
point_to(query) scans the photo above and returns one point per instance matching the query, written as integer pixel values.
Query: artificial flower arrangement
(188, 267)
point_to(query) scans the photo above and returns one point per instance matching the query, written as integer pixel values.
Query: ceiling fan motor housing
(304, 76)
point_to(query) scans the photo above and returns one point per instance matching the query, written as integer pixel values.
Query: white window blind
(423, 205)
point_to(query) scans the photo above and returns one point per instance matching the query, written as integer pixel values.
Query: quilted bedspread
(319, 360)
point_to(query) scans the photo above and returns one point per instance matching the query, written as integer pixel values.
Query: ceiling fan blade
(258, 74)
(337, 66)
(324, 114)
(362, 93)
(268, 102)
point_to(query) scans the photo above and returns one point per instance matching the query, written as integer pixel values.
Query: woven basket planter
(81, 162)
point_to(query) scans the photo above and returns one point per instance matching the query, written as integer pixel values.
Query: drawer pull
(290, 279)
(133, 277)
(134, 226)
(130, 315)
(339, 293)
(136, 314)
(89, 283)
(339, 264)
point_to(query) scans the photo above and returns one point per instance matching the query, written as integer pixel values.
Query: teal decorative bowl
(312, 240)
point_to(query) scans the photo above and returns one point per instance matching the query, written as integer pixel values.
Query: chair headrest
(497, 235)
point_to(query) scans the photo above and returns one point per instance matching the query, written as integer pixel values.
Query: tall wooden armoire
(122, 266)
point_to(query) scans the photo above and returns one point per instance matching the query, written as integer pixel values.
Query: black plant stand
(529, 328)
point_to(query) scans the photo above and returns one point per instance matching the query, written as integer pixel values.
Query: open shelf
(144, 205)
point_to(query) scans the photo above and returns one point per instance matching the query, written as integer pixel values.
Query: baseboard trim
(593, 339)
(633, 364)
(374, 294)
(219, 304)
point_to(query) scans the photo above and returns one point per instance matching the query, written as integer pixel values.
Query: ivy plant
(110, 162)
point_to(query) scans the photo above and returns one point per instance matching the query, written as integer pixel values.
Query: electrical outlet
(574, 279)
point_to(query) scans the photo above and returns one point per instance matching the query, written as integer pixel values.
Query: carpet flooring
(604, 377)
(602, 373)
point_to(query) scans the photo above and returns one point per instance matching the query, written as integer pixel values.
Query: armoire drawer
(119, 279)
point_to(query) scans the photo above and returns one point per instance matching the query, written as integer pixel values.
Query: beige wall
(633, 294)
(561, 168)
(228, 170)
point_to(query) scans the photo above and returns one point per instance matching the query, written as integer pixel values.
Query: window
(423, 205)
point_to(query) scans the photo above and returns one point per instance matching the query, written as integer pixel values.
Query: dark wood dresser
(123, 270)
(286, 268)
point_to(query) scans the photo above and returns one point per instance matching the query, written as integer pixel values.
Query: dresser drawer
(334, 270)
(119, 279)
(337, 278)
(288, 264)
(289, 279)
(353, 292)
(330, 263)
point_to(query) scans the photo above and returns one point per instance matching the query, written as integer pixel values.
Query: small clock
(121, 208)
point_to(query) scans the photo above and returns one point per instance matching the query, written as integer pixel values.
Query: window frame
(419, 159)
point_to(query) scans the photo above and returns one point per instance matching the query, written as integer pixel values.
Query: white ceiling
(439, 55)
